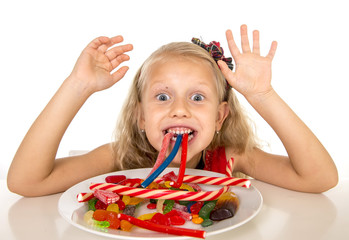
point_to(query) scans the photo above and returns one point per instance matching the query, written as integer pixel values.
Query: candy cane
(224, 181)
(160, 193)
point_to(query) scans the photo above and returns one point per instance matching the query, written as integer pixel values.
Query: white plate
(250, 204)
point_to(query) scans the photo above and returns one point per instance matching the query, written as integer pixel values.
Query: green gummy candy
(207, 222)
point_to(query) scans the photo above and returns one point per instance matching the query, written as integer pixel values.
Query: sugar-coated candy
(130, 210)
(100, 215)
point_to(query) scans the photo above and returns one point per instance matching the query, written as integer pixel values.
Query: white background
(41, 40)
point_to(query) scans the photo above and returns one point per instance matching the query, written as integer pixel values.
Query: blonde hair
(131, 147)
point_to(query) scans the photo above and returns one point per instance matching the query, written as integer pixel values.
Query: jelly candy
(135, 201)
(88, 217)
(207, 222)
(227, 201)
(113, 220)
(113, 207)
(100, 205)
(197, 220)
(130, 210)
(147, 216)
(160, 205)
(151, 206)
(176, 220)
(169, 206)
(92, 204)
(100, 215)
(220, 214)
(161, 219)
(126, 199)
(195, 208)
(115, 178)
(121, 205)
(205, 211)
(125, 225)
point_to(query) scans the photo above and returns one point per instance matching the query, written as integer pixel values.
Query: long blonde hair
(131, 147)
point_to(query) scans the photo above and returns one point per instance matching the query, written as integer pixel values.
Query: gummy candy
(115, 178)
(205, 211)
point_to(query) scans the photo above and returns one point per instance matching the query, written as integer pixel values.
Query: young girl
(179, 88)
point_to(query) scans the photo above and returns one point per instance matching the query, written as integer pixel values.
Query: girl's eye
(197, 97)
(163, 97)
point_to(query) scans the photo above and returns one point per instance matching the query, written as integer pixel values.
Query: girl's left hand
(252, 76)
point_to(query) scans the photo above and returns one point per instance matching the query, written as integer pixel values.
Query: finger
(228, 74)
(116, 51)
(245, 45)
(234, 50)
(118, 60)
(97, 42)
(272, 50)
(114, 40)
(119, 74)
(256, 46)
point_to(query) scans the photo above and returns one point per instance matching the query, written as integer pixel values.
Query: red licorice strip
(161, 156)
(179, 181)
(163, 228)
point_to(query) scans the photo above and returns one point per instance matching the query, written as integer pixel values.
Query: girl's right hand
(93, 69)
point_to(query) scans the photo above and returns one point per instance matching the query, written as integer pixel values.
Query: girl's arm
(34, 171)
(308, 166)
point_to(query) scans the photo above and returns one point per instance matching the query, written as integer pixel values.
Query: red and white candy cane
(160, 193)
(224, 181)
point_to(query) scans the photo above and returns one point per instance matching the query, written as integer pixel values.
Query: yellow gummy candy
(113, 207)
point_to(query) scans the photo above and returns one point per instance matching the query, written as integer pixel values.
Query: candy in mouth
(180, 130)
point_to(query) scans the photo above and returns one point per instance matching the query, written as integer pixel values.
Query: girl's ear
(223, 111)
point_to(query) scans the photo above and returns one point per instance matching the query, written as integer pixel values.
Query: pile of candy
(107, 209)
(172, 200)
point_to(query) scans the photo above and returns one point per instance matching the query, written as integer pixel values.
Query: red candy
(101, 205)
(176, 220)
(106, 197)
(195, 208)
(115, 178)
(151, 206)
(161, 219)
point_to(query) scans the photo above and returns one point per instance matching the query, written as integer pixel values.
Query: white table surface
(284, 215)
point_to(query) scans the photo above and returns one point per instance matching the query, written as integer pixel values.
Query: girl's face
(181, 95)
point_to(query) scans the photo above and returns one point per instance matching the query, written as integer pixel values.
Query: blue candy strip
(164, 165)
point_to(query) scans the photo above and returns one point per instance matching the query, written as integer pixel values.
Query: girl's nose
(180, 109)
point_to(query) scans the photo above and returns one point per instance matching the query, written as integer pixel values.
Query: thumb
(227, 73)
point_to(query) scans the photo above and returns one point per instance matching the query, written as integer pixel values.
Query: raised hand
(252, 76)
(93, 69)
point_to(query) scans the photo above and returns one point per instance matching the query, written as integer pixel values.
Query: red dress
(216, 161)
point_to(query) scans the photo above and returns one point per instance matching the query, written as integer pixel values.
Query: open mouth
(181, 130)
